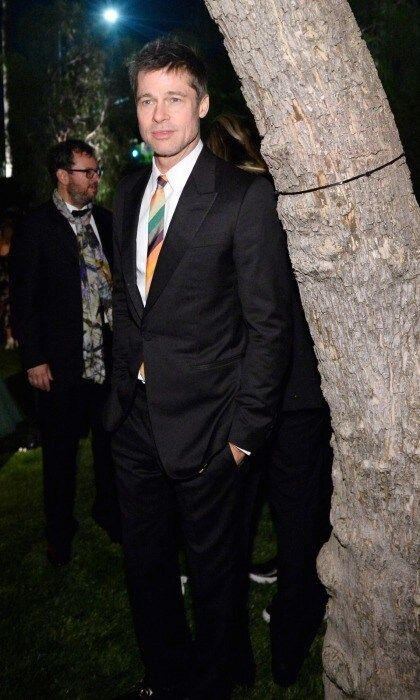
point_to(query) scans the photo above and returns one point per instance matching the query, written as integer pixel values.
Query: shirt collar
(72, 207)
(178, 175)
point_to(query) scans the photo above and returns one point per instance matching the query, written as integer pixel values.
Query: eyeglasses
(89, 172)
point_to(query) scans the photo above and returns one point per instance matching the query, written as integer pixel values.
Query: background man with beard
(61, 315)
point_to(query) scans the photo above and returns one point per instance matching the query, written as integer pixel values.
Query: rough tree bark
(313, 88)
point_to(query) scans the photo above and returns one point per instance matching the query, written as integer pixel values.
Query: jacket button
(203, 468)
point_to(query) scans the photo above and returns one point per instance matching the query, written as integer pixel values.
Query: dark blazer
(46, 300)
(215, 334)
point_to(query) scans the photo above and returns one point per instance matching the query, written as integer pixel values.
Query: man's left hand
(238, 455)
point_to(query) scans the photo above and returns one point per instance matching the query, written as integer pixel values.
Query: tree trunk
(8, 162)
(313, 88)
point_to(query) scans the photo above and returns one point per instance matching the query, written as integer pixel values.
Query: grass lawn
(67, 633)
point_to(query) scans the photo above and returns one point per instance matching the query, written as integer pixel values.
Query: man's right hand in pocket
(40, 377)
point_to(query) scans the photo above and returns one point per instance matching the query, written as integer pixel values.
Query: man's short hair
(173, 55)
(61, 155)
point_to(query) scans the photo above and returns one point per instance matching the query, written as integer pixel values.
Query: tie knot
(80, 212)
(161, 181)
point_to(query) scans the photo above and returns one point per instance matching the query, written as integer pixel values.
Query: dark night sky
(149, 18)
(142, 18)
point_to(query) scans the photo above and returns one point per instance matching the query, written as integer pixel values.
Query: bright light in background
(111, 15)
(140, 152)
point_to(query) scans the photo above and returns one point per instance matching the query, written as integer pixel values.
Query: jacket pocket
(219, 363)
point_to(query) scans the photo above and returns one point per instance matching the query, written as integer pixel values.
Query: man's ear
(203, 107)
(62, 176)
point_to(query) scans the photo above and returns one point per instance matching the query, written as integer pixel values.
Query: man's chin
(172, 152)
(162, 152)
(81, 202)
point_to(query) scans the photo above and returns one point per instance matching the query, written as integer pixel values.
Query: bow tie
(77, 213)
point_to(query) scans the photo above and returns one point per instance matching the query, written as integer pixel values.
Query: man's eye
(145, 102)
(175, 99)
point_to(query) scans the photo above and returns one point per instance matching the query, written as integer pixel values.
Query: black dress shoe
(58, 557)
(145, 691)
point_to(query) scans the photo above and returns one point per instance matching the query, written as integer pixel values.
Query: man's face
(169, 113)
(75, 187)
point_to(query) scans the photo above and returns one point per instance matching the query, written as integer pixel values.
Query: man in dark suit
(202, 341)
(61, 314)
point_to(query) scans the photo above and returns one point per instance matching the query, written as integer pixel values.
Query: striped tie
(155, 229)
(155, 236)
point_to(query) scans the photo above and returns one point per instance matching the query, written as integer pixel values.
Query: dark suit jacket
(215, 334)
(46, 300)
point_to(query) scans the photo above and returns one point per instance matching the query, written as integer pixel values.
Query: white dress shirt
(71, 208)
(177, 178)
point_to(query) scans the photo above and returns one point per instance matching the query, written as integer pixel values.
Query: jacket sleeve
(26, 293)
(260, 258)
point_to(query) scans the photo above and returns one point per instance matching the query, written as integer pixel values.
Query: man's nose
(161, 112)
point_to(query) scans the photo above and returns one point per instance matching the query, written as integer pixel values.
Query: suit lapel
(63, 229)
(132, 206)
(194, 204)
(105, 234)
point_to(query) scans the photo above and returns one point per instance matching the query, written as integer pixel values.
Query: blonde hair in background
(230, 139)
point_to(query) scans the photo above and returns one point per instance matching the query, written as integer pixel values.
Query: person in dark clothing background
(6, 232)
(296, 464)
(61, 315)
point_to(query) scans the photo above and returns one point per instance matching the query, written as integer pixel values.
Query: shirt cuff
(241, 450)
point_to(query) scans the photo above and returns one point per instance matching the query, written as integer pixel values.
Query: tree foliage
(67, 81)
(391, 29)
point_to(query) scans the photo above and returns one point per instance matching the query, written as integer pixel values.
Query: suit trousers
(207, 509)
(66, 414)
(299, 493)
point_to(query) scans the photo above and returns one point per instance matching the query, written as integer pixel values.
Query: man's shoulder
(238, 184)
(101, 210)
(130, 181)
(237, 178)
(40, 211)
(102, 213)
(41, 215)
